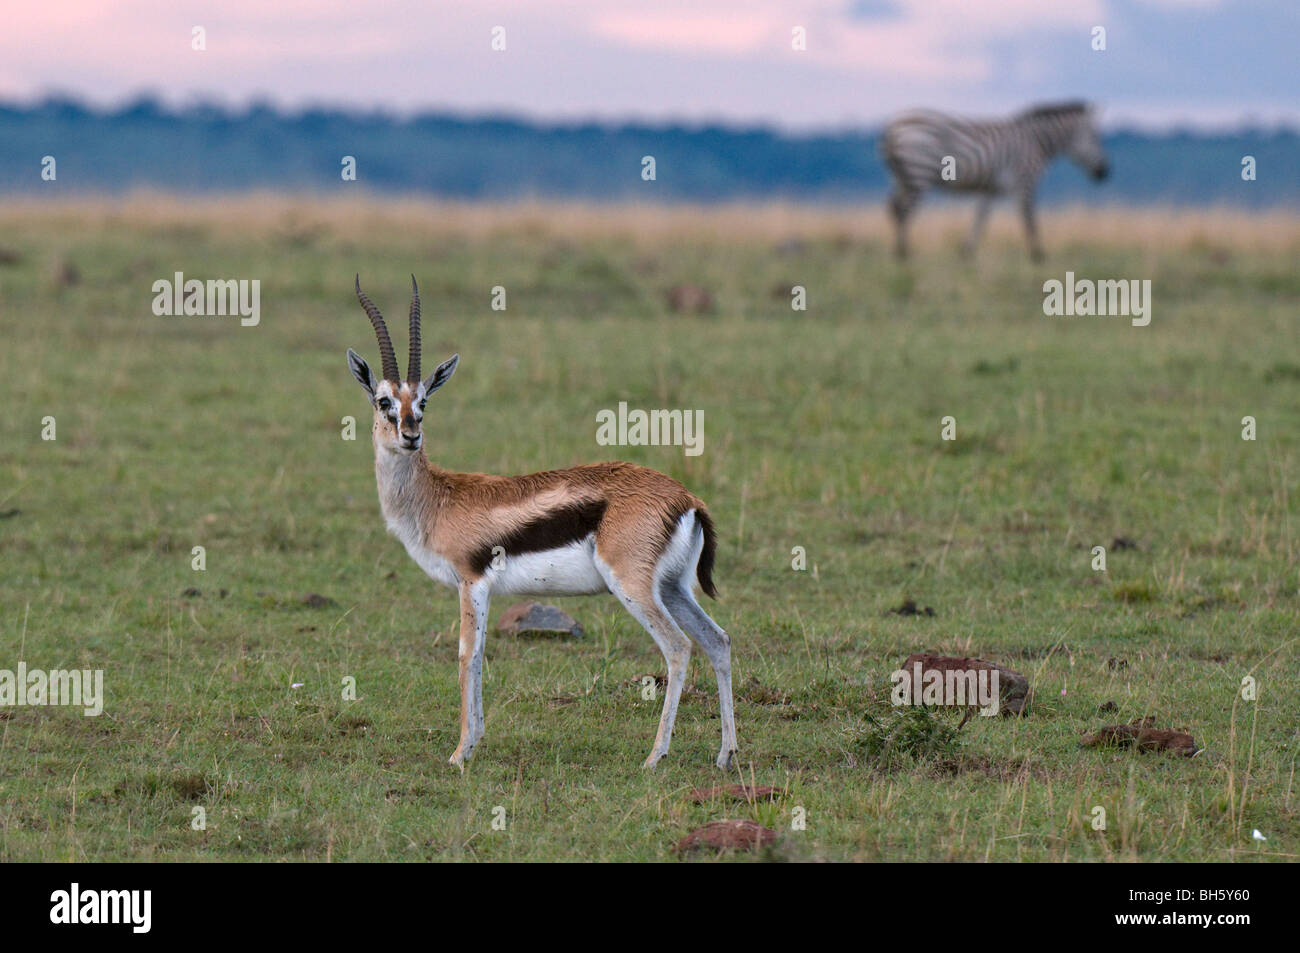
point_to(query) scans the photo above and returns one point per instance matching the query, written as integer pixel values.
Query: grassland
(822, 431)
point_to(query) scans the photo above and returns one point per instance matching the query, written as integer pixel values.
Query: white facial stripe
(387, 391)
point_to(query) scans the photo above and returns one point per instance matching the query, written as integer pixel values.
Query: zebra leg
(1031, 225)
(901, 203)
(977, 227)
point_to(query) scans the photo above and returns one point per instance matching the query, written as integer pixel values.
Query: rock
(741, 792)
(316, 601)
(689, 299)
(1145, 737)
(536, 618)
(1013, 688)
(726, 835)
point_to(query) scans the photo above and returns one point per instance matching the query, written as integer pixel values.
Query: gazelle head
(398, 404)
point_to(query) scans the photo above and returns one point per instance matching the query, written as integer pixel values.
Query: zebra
(990, 159)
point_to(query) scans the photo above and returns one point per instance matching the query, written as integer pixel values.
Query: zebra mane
(1056, 110)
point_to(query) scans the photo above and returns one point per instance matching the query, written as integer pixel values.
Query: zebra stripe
(926, 149)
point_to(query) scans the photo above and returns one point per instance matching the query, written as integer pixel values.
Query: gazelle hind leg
(674, 645)
(715, 642)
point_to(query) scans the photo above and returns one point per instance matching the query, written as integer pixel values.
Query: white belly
(567, 571)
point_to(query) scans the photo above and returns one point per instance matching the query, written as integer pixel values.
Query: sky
(1197, 63)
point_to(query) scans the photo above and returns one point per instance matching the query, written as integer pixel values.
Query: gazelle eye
(385, 404)
(422, 403)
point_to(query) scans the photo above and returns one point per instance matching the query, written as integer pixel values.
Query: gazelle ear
(441, 375)
(361, 371)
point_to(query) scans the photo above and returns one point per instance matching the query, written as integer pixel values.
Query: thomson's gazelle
(603, 527)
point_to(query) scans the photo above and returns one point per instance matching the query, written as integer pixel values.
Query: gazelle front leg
(474, 600)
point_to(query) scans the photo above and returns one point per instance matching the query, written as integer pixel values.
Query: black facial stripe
(556, 529)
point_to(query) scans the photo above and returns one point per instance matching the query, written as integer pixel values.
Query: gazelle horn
(386, 355)
(413, 365)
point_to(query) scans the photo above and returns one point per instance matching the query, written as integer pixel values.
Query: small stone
(536, 618)
(727, 835)
(1144, 737)
(741, 792)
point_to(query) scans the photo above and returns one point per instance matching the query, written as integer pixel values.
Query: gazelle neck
(410, 487)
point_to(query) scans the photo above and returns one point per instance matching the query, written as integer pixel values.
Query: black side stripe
(556, 529)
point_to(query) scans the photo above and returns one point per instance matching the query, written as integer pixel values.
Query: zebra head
(1084, 146)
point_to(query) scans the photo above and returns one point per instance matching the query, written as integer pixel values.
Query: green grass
(821, 430)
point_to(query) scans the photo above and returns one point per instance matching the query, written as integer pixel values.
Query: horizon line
(1247, 122)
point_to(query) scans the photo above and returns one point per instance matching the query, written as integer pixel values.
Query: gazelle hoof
(724, 760)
